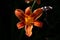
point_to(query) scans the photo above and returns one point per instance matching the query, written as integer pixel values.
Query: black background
(8, 22)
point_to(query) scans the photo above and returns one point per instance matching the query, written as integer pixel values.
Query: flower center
(28, 20)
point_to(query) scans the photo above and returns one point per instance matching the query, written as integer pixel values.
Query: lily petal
(20, 14)
(37, 13)
(20, 25)
(27, 11)
(28, 30)
(38, 24)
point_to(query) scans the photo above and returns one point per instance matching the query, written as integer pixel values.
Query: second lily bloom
(29, 1)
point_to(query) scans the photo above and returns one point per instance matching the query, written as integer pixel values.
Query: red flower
(28, 1)
(28, 19)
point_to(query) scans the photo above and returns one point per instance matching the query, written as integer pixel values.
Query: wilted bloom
(29, 1)
(28, 19)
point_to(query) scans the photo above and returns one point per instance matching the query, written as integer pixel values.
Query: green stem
(33, 4)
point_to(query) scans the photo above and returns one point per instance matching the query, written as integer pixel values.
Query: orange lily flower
(28, 1)
(28, 19)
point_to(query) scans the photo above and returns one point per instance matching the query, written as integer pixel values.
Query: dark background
(9, 31)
